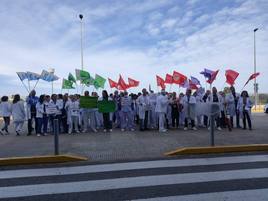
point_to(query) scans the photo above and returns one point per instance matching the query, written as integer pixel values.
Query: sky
(136, 38)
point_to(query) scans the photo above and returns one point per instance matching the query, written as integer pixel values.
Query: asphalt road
(207, 178)
(123, 146)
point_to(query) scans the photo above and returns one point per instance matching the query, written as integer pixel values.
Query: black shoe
(1, 133)
(29, 134)
(17, 132)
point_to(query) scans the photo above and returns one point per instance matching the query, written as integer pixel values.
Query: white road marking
(129, 166)
(242, 195)
(119, 183)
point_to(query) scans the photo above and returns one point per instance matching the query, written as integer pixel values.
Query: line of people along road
(142, 111)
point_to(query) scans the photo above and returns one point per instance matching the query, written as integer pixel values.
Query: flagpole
(29, 85)
(81, 24)
(255, 83)
(36, 83)
(25, 86)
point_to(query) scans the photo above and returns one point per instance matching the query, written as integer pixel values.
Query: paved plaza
(119, 146)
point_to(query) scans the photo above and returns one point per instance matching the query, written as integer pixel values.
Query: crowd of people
(143, 111)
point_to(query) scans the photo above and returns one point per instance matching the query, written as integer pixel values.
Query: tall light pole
(255, 83)
(82, 58)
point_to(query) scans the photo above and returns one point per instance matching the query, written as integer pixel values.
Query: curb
(40, 160)
(218, 149)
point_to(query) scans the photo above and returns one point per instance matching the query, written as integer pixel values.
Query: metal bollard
(56, 136)
(212, 124)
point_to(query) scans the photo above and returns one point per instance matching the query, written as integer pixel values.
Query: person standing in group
(152, 114)
(216, 98)
(59, 104)
(229, 107)
(175, 110)
(88, 116)
(107, 122)
(18, 113)
(236, 98)
(52, 111)
(244, 106)
(189, 107)
(205, 99)
(40, 115)
(64, 114)
(117, 112)
(143, 103)
(161, 109)
(72, 108)
(31, 101)
(45, 115)
(127, 114)
(5, 112)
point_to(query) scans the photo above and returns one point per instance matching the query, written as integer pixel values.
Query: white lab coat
(5, 109)
(39, 110)
(241, 106)
(18, 112)
(230, 104)
(161, 104)
(189, 108)
(143, 103)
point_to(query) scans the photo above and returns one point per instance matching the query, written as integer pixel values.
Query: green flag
(90, 81)
(66, 84)
(82, 75)
(99, 81)
(71, 78)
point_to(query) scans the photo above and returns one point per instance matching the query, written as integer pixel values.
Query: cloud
(136, 38)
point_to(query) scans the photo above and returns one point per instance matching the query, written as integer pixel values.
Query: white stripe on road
(108, 184)
(242, 195)
(129, 166)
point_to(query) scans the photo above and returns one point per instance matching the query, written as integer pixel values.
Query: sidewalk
(131, 145)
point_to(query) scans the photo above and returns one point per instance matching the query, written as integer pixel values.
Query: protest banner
(88, 102)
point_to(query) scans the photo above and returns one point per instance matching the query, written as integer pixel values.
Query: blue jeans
(40, 123)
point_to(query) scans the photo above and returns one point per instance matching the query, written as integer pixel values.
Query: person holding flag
(31, 101)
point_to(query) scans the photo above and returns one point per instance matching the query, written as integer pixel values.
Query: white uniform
(5, 109)
(161, 109)
(72, 108)
(143, 103)
(19, 115)
(152, 113)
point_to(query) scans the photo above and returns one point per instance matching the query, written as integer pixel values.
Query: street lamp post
(82, 58)
(255, 83)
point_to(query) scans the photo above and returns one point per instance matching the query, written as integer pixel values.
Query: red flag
(160, 82)
(253, 76)
(213, 77)
(178, 78)
(133, 83)
(121, 84)
(112, 83)
(169, 79)
(192, 85)
(231, 76)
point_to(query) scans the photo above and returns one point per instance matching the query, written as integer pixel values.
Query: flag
(22, 75)
(133, 83)
(32, 76)
(185, 84)
(67, 84)
(192, 85)
(47, 76)
(160, 82)
(71, 78)
(231, 76)
(253, 76)
(82, 75)
(121, 84)
(213, 77)
(90, 81)
(209, 75)
(112, 83)
(195, 81)
(169, 79)
(179, 78)
(99, 81)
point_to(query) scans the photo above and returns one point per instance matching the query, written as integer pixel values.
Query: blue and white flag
(195, 81)
(22, 75)
(49, 77)
(32, 76)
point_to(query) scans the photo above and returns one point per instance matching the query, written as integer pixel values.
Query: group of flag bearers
(149, 110)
